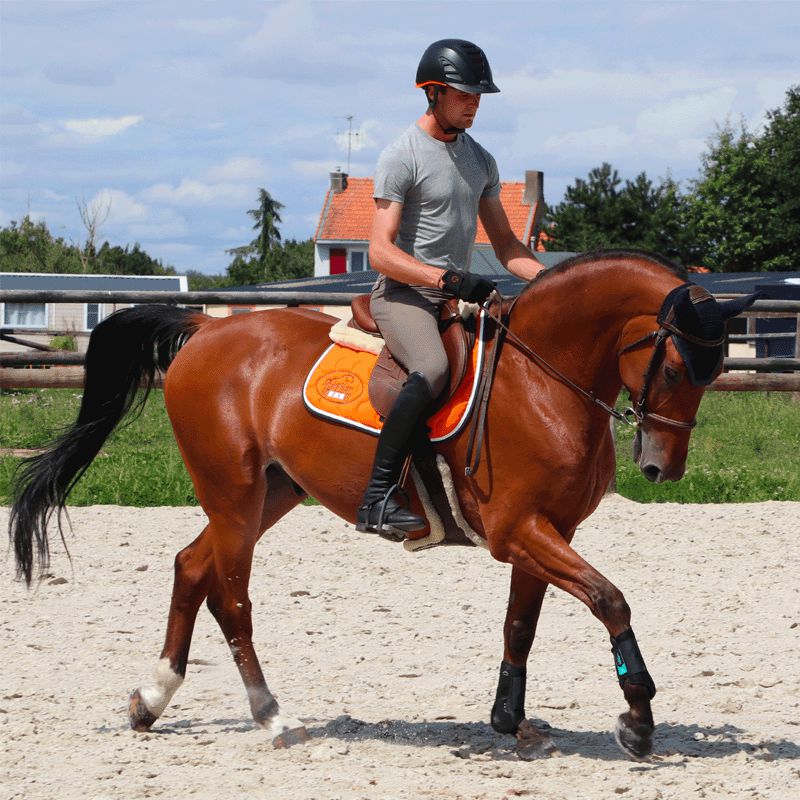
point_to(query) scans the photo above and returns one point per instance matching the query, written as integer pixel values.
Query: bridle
(636, 414)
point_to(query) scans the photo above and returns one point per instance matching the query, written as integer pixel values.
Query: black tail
(125, 352)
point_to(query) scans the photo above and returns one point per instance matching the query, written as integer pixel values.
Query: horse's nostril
(652, 473)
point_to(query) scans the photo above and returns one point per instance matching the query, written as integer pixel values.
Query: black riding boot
(380, 511)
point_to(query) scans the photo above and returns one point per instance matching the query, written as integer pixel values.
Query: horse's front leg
(537, 548)
(508, 712)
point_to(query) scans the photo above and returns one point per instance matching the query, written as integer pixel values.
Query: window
(92, 315)
(357, 261)
(25, 315)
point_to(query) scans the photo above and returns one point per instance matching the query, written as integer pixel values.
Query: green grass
(139, 465)
(746, 448)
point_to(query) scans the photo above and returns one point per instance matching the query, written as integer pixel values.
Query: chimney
(533, 196)
(338, 181)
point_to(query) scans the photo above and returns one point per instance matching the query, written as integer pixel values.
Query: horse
(576, 335)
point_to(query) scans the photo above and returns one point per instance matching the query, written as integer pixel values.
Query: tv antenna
(351, 134)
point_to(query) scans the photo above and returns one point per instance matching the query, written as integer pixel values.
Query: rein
(633, 416)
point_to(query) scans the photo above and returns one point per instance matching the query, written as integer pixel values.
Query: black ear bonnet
(696, 322)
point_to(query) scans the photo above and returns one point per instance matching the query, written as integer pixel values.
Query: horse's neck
(576, 319)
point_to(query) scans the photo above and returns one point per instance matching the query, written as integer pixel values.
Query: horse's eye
(672, 375)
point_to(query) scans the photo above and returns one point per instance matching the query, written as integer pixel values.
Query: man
(431, 185)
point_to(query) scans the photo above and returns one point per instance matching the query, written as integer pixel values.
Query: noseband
(637, 413)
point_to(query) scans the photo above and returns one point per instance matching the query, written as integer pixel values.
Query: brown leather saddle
(388, 375)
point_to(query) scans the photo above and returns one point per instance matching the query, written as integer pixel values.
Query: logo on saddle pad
(339, 386)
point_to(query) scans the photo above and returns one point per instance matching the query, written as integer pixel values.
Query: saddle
(388, 376)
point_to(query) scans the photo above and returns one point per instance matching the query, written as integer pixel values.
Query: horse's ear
(732, 308)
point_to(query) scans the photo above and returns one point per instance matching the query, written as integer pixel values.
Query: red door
(338, 260)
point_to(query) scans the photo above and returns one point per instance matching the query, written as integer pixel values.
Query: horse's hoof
(139, 715)
(291, 737)
(636, 740)
(532, 743)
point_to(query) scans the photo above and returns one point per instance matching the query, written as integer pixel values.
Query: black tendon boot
(380, 510)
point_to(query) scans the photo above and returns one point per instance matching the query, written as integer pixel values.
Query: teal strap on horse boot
(380, 511)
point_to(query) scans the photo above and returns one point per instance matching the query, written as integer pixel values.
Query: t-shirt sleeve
(392, 176)
(492, 188)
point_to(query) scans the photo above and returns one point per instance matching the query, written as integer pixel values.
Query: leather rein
(634, 415)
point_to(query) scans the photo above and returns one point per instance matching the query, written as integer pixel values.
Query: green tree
(601, 211)
(267, 217)
(115, 260)
(745, 205)
(28, 246)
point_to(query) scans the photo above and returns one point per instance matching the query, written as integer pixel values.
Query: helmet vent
(452, 75)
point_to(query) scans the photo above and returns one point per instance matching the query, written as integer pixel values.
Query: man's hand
(466, 286)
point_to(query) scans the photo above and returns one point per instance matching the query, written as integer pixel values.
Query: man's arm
(386, 257)
(510, 251)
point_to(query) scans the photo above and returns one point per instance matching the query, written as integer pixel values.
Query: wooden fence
(44, 368)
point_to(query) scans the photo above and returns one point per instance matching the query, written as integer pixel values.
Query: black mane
(596, 255)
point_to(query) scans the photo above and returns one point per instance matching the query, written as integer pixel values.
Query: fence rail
(264, 297)
(62, 369)
(277, 298)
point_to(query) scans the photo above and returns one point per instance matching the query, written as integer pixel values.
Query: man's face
(456, 108)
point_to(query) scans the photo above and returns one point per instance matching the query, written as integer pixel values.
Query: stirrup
(388, 530)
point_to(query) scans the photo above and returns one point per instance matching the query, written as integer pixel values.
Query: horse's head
(667, 380)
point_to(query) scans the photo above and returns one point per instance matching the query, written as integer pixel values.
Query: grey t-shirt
(440, 185)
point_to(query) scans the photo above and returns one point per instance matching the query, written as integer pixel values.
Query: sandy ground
(391, 659)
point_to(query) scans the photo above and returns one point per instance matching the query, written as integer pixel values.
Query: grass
(746, 448)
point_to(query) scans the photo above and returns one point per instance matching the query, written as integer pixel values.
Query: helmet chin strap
(432, 108)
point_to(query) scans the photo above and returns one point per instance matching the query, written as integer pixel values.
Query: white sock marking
(167, 682)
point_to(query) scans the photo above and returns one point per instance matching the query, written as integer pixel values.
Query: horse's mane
(604, 255)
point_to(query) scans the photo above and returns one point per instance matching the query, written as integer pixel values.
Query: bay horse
(577, 334)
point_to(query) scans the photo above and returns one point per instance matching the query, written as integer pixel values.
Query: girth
(388, 376)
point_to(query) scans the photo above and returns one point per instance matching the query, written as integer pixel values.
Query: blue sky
(176, 112)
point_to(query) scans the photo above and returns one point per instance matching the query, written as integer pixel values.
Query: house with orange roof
(341, 240)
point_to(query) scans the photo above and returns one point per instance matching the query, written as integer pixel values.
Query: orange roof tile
(347, 215)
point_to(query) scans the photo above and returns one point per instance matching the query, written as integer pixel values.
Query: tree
(28, 246)
(745, 205)
(92, 217)
(267, 217)
(602, 212)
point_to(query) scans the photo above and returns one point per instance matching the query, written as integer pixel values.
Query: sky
(166, 117)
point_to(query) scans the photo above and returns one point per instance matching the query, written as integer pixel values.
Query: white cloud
(190, 192)
(315, 168)
(211, 26)
(689, 114)
(609, 139)
(49, 194)
(122, 208)
(158, 230)
(238, 168)
(100, 127)
(285, 25)
(360, 138)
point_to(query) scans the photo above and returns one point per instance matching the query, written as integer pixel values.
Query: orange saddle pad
(336, 389)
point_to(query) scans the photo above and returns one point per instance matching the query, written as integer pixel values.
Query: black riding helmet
(457, 63)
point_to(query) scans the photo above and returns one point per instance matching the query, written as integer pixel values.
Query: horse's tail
(126, 350)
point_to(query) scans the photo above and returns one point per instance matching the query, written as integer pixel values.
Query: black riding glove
(466, 286)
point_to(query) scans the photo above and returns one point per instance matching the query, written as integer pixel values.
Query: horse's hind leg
(217, 566)
(193, 576)
(508, 712)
